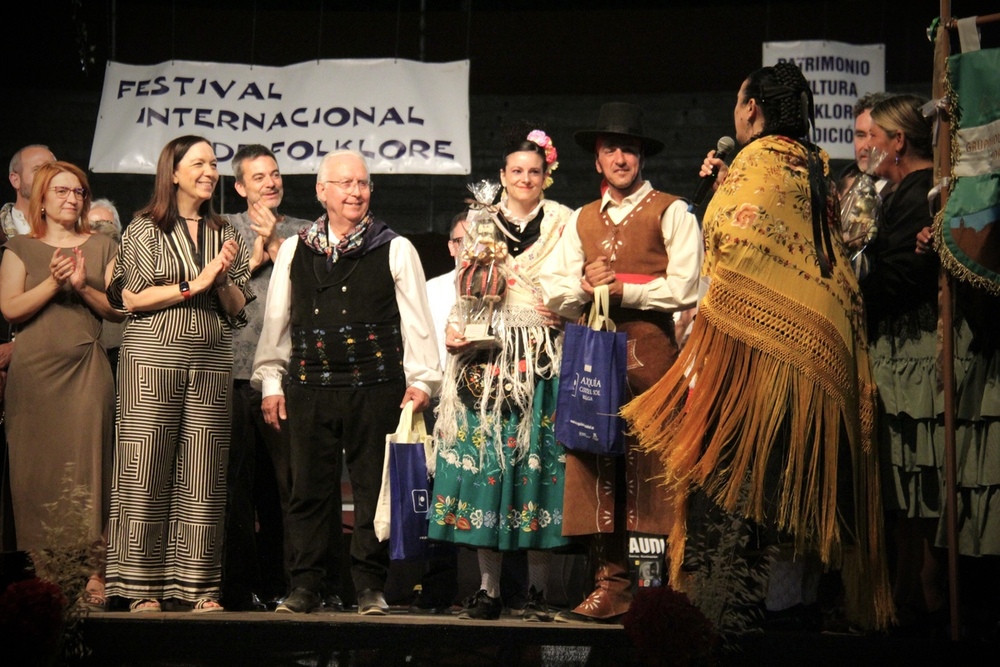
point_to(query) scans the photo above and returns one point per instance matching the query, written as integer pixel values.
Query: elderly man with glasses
(347, 342)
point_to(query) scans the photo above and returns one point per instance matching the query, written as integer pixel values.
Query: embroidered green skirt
(517, 505)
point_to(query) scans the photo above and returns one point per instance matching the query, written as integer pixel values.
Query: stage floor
(184, 639)
(179, 639)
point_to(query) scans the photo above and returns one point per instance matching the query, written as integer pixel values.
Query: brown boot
(609, 600)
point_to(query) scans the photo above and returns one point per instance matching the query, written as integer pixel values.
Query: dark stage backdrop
(553, 61)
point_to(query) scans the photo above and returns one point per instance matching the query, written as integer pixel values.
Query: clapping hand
(78, 279)
(218, 269)
(262, 220)
(61, 267)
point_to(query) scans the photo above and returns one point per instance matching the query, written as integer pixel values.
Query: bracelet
(185, 290)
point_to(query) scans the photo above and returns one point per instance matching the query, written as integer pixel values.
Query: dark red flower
(666, 628)
(32, 610)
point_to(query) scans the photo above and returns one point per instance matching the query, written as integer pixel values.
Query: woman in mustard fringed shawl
(768, 414)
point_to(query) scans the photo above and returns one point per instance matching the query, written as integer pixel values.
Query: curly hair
(868, 101)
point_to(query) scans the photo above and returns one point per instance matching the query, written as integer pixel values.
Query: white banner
(839, 74)
(978, 150)
(406, 117)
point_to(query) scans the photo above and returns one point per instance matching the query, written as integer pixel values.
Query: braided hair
(786, 102)
(785, 99)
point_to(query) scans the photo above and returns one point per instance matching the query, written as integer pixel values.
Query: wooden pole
(952, 23)
(942, 49)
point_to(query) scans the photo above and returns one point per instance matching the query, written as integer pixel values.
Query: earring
(43, 210)
(897, 158)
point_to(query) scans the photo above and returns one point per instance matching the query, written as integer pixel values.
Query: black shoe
(371, 602)
(422, 604)
(271, 603)
(535, 609)
(244, 602)
(333, 602)
(481, 607)
(300, 601)
(514, 604)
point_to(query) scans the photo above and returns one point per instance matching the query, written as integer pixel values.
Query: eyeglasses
(348, 186)
(62, 191)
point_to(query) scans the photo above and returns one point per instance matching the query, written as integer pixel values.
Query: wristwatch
(185, 290)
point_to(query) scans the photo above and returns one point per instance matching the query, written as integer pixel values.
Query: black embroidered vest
(345, 326)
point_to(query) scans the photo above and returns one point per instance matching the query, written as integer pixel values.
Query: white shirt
(421, 365)
(441, 294)
(678, 290)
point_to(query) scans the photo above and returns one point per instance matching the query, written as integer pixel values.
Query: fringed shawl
(776, 365)
(530, 351)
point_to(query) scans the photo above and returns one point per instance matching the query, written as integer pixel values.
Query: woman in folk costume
(905, 329)
(498, 483)
(769, 413)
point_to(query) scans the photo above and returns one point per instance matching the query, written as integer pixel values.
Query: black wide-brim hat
(622, 119)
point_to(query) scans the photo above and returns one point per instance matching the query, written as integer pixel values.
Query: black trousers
(330, 428)
(257, 552)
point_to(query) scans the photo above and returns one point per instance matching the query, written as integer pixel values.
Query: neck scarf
(317, 238)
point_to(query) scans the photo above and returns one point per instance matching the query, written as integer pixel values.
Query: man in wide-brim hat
(647, 248)
(619, 120)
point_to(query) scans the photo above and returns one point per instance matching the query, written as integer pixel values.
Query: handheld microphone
(722, 150)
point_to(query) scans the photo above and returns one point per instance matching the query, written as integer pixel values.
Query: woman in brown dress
(60, 391)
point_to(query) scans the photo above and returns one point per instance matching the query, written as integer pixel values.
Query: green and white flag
(968, 226)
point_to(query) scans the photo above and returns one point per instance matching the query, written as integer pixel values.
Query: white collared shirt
(441, 295)
(563, 270)
(421, 365)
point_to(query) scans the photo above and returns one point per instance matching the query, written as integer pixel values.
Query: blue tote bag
(592, 384)
(401, 514)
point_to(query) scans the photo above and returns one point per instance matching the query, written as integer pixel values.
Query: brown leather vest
(635, 245)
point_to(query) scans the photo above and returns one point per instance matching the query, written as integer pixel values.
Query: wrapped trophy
(861, 213)
(482, 277)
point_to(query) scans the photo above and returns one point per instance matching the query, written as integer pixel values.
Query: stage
(184, 639)
(178, 639)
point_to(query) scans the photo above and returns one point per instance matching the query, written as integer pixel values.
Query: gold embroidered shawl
(777, 351)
